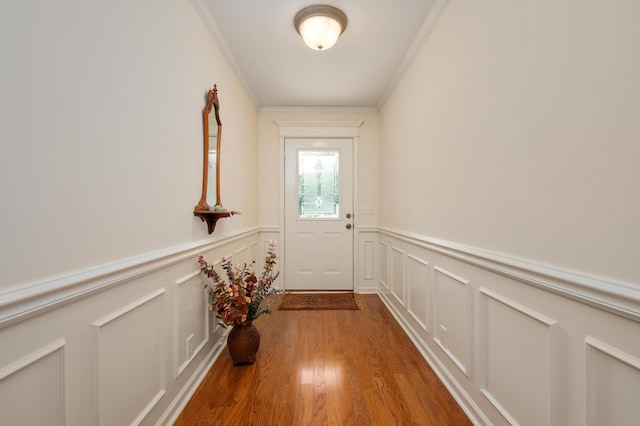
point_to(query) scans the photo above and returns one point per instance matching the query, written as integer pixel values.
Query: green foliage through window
(318, 184)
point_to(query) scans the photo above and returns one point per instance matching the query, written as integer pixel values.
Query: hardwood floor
(326, 368)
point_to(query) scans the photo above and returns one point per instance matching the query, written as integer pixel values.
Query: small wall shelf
(211, 217)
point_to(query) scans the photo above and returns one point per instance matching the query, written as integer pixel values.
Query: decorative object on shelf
(207, 213)
(240, 299)
(320, 25)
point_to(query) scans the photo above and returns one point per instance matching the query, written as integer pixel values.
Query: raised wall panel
(261, 255)
(523, 333)
(247, 255)
(418, 288)
(397, 274)
(267, 236)
(613, 385)
(518, 350)
(252, 250)
(212, 321)
(453, 306)
(242, 256)
(191, 322)
(367, 258)
(32, 389)
(384, 264)
(366, 272)
(129, 362)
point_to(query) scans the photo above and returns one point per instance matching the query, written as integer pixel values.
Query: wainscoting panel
(129, 343)
(397, 275)
(514, 341)
(518, 351)
(418, 291)
(367, 256)
(453, 307)
(366, 267)
(265, 249)
(267, 236)
(242, 256)
(252, 251)
(247, 255)
(32, 389)
(384, 265)
(120, 343)
(191, 325)
(613, 384)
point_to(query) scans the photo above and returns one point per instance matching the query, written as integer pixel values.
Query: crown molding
(427, 27)
(211, 25)
(317, 109)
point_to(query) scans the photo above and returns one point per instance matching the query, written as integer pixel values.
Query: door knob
(348, 226)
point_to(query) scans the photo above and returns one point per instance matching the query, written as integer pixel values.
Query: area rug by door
(319, 301)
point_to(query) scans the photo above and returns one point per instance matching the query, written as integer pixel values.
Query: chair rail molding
(27, 300)
(610, 295)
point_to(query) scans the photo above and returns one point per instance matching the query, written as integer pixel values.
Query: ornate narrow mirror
(209, 208)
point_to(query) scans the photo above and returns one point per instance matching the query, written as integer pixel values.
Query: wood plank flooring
(326, 368)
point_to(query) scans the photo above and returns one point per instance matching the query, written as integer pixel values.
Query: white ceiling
(279, 70)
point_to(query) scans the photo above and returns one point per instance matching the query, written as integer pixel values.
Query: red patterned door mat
(319, 301)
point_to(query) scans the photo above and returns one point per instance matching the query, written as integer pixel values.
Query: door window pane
(318, 184)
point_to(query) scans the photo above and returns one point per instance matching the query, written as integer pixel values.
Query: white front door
(318, 214)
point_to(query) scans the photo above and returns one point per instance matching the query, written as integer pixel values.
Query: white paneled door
(319, 214)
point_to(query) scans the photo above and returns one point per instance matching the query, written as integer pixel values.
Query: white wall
(102, 319)
(102, 133)
(519, 121)
(509, 229)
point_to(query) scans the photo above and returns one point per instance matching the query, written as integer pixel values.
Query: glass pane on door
(318, 185)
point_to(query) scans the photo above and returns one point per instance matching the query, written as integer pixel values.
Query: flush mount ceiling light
(320, 25)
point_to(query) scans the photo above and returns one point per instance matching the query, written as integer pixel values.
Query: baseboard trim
(186, 393)
(463, 399)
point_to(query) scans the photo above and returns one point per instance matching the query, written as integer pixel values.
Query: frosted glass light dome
(320, 26)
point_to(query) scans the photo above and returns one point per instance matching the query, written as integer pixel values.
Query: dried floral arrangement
(242, 297)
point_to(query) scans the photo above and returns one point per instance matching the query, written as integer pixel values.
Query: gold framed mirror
(209, 209)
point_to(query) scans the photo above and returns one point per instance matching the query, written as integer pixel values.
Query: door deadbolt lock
(348, 215)
(348, 226)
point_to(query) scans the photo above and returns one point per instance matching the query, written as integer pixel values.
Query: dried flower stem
(242, 298)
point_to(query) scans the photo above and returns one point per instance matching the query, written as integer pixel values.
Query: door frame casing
(322, 130)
